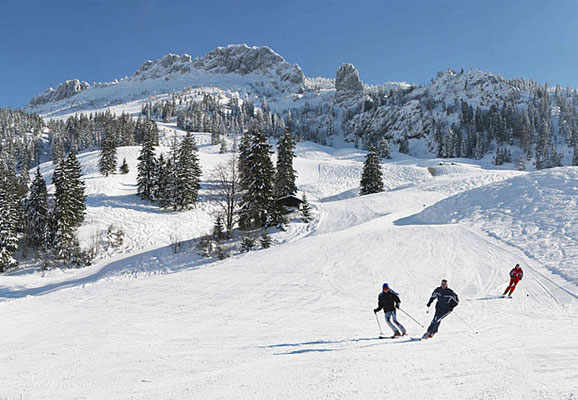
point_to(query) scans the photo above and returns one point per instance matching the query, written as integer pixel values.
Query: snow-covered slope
(295, 321)
(536, 212)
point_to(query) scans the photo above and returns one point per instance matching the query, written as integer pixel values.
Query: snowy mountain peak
(243, 60)
(237, 67)
(232, 59)
(171, 63)
(473, 86)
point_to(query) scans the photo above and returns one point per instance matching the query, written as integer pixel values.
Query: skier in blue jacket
(447, 301)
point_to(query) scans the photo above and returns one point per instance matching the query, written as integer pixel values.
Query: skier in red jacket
(516, 275)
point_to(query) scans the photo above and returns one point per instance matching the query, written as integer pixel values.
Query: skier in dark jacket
(447, 301)
(389, 301)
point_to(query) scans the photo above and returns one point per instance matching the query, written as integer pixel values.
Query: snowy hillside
(535, 212)
(256, 71)
(295, 321)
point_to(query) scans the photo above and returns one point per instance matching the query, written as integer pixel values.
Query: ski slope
(295, 321)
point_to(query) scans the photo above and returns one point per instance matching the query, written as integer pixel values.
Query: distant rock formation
(243, 60)
(347, 83)
(62, 91)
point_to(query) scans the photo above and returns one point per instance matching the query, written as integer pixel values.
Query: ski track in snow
(294, 321)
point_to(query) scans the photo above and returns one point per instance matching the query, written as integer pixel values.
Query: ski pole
(414, 320)
(378, 324)
(465, 322)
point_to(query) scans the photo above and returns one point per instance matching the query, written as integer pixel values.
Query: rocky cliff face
(243, 60)
(64, 90)
(347, 83)
(233, 59)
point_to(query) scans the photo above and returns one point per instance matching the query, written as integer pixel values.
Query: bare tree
(226, 192)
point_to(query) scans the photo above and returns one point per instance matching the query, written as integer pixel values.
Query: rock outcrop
(64, 90)
(243, 60)
(347, 83)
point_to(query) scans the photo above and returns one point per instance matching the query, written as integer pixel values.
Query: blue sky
(46, 42)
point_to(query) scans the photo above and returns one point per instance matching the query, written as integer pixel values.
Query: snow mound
(536, 212)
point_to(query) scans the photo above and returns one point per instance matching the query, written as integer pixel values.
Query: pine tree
(146, 168)
(384, 151)
(305, 210)
(247, 244)
(124, 167)
(162, 179)
(403, 145)
(8, 236)
(188, 174)
(37, 211)
(542, 159)
(258, 206)
(76, 189)
(521, 163)
(223, 148)
(108, 154)
(286, 175)
(68, 213)
(372, 176)
(218, 228)
(265, 240)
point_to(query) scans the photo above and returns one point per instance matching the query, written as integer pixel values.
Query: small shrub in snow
(265, 240)
(247, 244)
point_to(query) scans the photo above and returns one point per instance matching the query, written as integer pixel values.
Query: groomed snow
(295, 321)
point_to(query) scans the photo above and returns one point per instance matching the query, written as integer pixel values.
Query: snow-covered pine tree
(258, 206)
(123, 169)
(372, 176)
(75, 187)
(285, 175)
(223, 147)
(244, 149)
(107, 162)
(403, 145)
(218, 228)
(266, 240)
(8, 235)
(247, 244)
(542, 159)
(384, 151)
(521, 163)
(68, 213)
(188, 174)
(146, 168)
(162, 178)
(305, 210)
(37, 211)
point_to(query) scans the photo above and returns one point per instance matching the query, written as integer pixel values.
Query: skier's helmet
(444, 282)
(385, 285)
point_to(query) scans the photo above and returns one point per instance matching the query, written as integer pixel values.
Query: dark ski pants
(437, 319)
(511, 286)
(389, 315)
